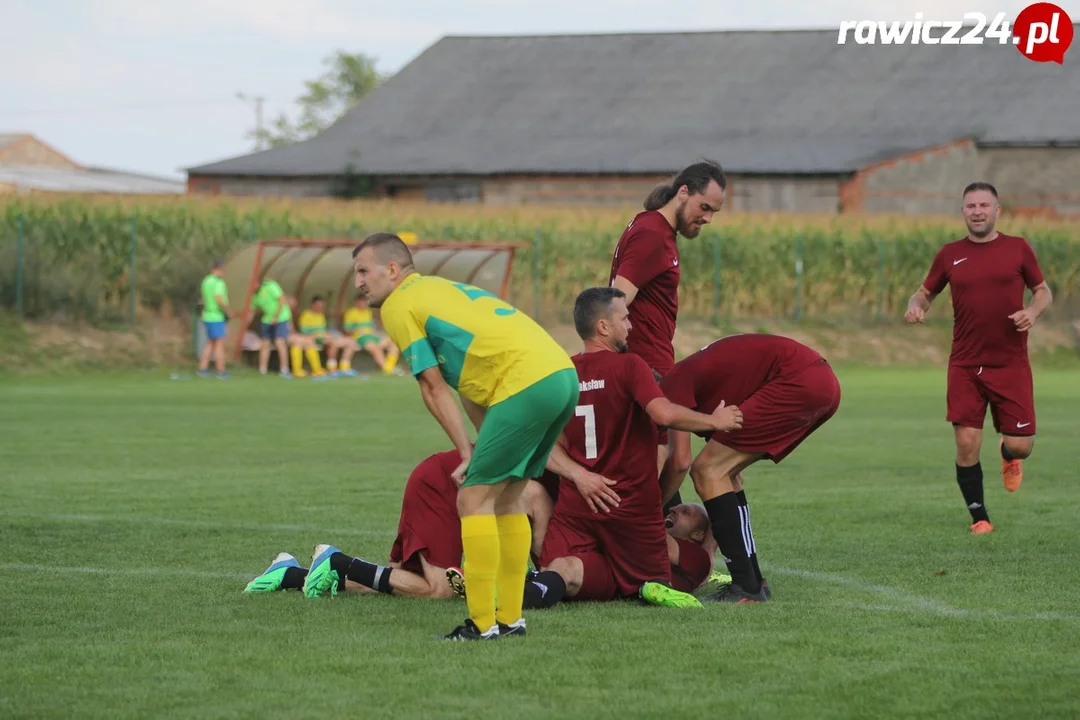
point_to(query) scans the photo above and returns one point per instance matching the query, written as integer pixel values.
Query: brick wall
(1029, 180)
(252, 186)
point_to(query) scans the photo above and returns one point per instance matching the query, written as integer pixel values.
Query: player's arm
(441, 403)
(667, 414)
(223, 304)
(475, 412)
(631, 290)
(596, 489)
(1041, 297)
(677, 464)
(642, 260)
(919, 303)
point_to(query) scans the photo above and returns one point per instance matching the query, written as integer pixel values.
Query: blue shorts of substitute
(215, 330)
(275, 331)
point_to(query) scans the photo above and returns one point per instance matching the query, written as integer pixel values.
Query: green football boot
(270, 581)
(657, 593)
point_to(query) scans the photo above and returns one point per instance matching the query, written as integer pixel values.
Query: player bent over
(786, 391)
(987, 272)
(428, 542)
(458, 337)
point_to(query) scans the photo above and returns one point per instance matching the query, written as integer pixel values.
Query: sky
(150, 85)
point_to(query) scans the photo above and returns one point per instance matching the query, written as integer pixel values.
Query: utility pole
(260, 141)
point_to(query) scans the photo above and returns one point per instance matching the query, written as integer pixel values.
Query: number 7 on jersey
(587, 412)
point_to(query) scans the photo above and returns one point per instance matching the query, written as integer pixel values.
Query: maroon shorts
(694, 568)
(1009, 391)
(784, 412)
(618, 555)
(429, 523)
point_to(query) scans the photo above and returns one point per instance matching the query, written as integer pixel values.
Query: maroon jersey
(987, 281)
(648, 257)
(611, 434)
(732, 369)
(694, 568)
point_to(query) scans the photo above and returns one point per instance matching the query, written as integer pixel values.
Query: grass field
(133, 509)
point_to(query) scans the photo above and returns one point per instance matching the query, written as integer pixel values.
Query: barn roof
(758, 102)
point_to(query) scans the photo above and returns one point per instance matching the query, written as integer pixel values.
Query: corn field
(104, 259)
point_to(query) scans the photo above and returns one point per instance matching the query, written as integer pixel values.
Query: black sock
(970, 480)
(676, 499)
(749, 534)
(1005, 454)
(543, 590)
(294, 578)
(370, 575)
(727, 528)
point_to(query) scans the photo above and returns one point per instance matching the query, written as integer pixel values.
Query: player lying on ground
(361, 333)
(690, 547)
(609, 536)
(428, 542)
(457, 337)
(786, 391)
(987, 272)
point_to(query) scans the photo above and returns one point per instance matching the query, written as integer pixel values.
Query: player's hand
(458, 475)
(596, 489)
(728, 417)
(915, 314)
(1024, 319)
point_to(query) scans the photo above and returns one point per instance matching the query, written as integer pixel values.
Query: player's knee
(439, 591)
(1019, 447)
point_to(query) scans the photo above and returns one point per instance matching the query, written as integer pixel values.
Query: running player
(987, 272)
(786, 391)
(645, 265)
(508, 371)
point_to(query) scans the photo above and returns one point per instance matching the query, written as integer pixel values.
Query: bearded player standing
(646, 264)
(987, 272)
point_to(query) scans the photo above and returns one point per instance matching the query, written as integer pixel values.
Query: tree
(346, 81)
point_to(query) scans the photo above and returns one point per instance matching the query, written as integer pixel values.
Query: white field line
(914, 604)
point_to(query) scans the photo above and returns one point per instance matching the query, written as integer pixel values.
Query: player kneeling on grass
(428, 543)
(608, 535)
(362, 334)
(786, 391)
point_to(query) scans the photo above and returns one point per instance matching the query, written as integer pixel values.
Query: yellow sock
(297, 359)
(480, 545)
(346, 365)
(515, 541)
(391, 363)
(313, 359)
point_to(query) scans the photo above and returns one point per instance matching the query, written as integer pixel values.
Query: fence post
(880, 279)
(798, 276)
(131, 272)
(19, 267)
(716, 280)
(537, 237)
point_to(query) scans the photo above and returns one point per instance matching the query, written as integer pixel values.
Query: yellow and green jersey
(484, 348)
(266, 300)
(212, 286)
(312, 323)
(358, 323)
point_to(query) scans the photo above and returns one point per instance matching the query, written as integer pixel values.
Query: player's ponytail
(659, 197)
(695, 177)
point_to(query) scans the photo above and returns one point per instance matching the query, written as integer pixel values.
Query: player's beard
(683, 226)
(987, 230)
(620, 346)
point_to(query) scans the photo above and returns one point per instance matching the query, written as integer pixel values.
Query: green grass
(133, 509)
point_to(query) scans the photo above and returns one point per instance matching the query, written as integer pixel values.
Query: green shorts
(365, 339)
(518, 434)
